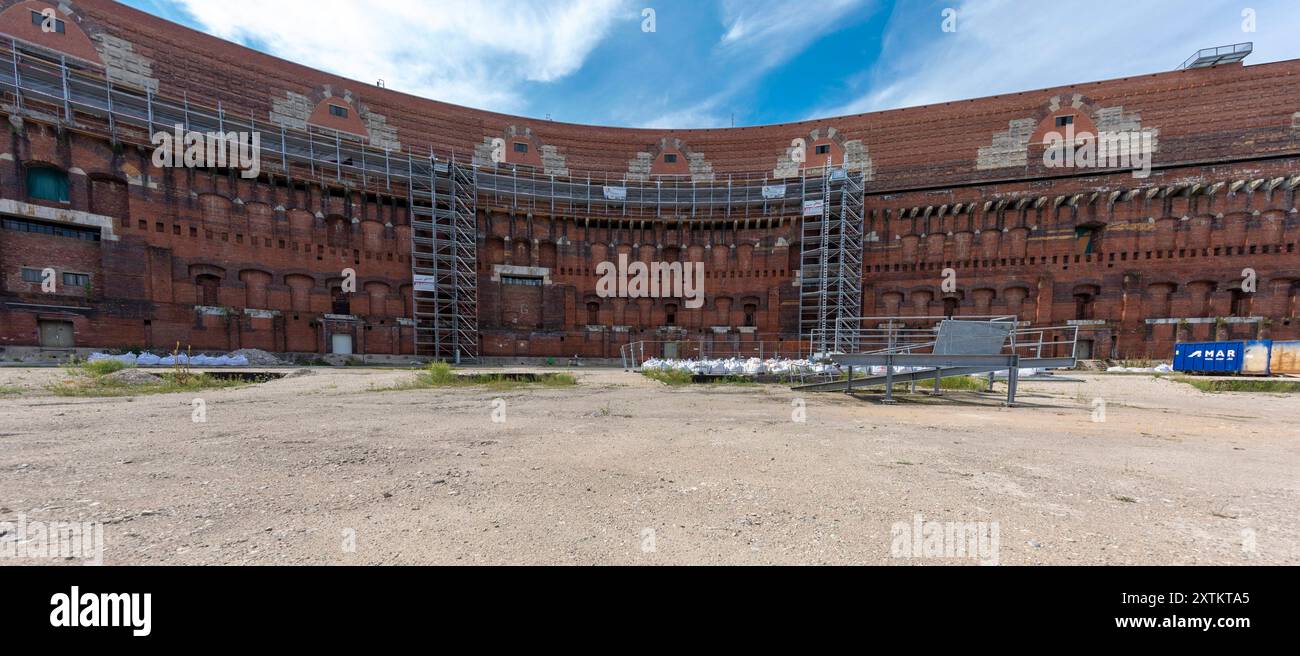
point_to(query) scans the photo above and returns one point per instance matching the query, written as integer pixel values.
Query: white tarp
(151, 360)
(774, 191)
(1161, 368)
(615, 193)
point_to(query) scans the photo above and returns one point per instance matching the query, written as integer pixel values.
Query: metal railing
(45, 85)
(919, 334)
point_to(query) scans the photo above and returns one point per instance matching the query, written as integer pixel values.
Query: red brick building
(147, 257)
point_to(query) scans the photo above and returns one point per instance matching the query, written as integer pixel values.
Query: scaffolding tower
(830, 260)
(444, 267)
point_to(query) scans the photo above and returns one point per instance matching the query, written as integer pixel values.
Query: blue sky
(709, 62)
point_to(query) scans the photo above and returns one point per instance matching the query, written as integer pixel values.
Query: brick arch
(16, 21)
(255, 283)
(214, 210)
(547, 254)
(300, 286)
(377, 291)
(109, 195)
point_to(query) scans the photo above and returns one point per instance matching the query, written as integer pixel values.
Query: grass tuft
(675, 377)
(99, 367)
(1242, 385)
(442, 374)
(171, 382)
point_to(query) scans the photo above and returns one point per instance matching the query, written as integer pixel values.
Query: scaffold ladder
(831, 241)
(444, 261)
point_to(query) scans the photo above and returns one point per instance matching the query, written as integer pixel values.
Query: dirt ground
(621, 469)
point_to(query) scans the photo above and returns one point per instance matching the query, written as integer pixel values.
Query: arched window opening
(209, 287)
(47, 183)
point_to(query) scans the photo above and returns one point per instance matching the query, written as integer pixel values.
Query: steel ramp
(876, 380)
(960, 348)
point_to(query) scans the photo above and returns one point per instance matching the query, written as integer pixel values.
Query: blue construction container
(1209, 357)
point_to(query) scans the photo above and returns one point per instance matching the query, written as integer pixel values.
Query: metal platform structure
(934, 348)
(1207, 57)
(830, 261)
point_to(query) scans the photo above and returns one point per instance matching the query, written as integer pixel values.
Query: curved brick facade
(215, 261)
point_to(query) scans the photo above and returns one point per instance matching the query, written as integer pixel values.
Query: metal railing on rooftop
(46, 85)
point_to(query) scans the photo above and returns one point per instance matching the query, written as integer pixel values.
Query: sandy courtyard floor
(621, 469)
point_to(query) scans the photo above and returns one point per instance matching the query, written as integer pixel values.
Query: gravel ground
(621, 469)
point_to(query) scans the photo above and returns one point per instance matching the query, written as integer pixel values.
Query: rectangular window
(521, 280)
(521, 147)
(1062, 121)
(57, 26)
(76, 279)
(824, 149)
(670, 159)
(32, 275)
(341, 112)
(57, 230)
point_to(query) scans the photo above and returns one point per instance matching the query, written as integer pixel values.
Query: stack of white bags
(755, 366)
(738, 366)
(150, 360)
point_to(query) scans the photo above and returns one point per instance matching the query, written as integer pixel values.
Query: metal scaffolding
(830, 261)
(443, 190)
(444, 269)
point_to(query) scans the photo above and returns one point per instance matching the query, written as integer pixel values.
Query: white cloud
(471, 52)
(758, 37)
(1002, 46)
(769, 32)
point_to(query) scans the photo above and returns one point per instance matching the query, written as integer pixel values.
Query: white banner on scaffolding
(425, 283)
(774, 191)
(615, 193)
(812, 208)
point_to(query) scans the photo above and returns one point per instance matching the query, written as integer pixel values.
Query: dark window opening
(33, 275)
(1083, 306)
(1062, 121)
(38, 19)
(209, 290)
(824, 149)
(341, 112)
(340, 303)
(47, 183)
(670, 159)
(76, 279)
(949, 307)
(593, 314)
(521, 147)
(670, 315)
(751, 312)
(1240, 303)
(526, 281)
(1087, 239)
